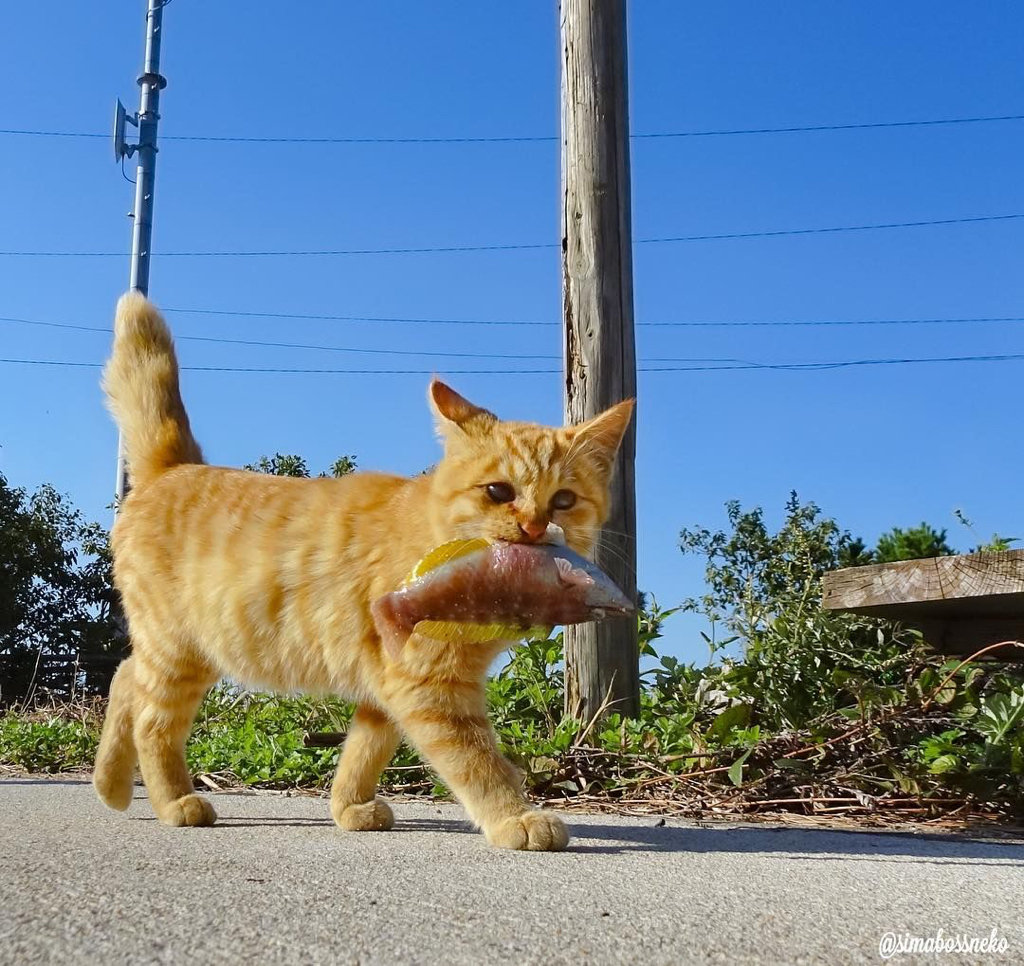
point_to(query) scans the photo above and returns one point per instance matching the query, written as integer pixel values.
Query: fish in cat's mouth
(482, 584)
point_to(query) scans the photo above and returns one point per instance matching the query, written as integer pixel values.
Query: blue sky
(876, 447)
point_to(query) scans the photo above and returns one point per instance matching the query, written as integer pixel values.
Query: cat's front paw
(535, 831)
(375, 816)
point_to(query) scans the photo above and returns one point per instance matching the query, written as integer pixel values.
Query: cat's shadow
(445, 825)
(797, 844)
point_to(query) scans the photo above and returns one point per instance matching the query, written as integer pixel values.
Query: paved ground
(276, 882)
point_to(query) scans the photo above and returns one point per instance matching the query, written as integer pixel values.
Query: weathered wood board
(961, 603)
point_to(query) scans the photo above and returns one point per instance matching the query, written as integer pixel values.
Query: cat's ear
(455, 413)
(601, 436)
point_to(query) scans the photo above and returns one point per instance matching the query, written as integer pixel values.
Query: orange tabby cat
(269, 580)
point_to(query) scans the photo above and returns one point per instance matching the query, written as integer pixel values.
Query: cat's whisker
(604, 546)
(606, 530)
(618, 556)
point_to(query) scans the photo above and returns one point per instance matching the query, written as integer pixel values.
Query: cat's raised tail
(141, 382)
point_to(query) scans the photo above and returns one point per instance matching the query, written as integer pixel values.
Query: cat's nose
(533, 530)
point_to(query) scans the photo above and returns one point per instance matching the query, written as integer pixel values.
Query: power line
(526, 139)
(294, 345)
(844, 364)
(748, 323)
(813, 128)
(444, 249)
(781, 366)
(299, 316)
(822, 231)
(260, 369)
(468, 322)
(697, 323)
(336, 348)
(450, 249)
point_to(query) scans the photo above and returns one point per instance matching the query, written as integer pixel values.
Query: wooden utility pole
(597, 308)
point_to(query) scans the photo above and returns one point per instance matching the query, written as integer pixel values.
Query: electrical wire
(293, 345)
(780, 367)
(697, 323)
(549, 138)
(337, 348)
(535, 246)
(735, 323)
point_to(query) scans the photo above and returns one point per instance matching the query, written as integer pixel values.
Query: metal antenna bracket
(121, 117)
(155, 81)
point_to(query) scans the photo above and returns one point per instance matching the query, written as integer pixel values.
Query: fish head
(598, 591)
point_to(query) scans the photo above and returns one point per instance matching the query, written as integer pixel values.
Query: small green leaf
(542, 764)
(736, 768)
(799, 766)
(943, 764)
(1000, 715)
(736, 716)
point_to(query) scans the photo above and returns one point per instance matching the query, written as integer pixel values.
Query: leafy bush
(56, 594)
(799, 662)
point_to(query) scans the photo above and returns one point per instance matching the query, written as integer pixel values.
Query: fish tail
(394, 634)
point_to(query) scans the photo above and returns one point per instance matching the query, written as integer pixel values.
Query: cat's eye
(563, 500)
(501, 492)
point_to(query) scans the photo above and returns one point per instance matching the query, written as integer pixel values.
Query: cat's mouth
(553, 536)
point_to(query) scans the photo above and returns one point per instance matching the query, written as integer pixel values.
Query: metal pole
(151, 82)
(601, 660)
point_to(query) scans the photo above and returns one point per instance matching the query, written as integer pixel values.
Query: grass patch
(54, 739)
(242, 737)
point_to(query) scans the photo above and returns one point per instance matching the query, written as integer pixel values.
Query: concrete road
(276, 882)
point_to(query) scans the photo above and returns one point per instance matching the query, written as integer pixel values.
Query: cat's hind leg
(369, 745)
(168, 690)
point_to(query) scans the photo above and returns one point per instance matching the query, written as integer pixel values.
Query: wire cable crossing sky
(451, 249)
(516, 139)
(725, 366)
(735, 323)
(402, 352)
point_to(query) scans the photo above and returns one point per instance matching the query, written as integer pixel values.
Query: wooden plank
(944, 588)
(597, 302)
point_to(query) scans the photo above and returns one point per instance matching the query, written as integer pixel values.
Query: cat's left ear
(602, 435)
(454, 412)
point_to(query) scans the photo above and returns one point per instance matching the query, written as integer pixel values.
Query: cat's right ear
(455, 414)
